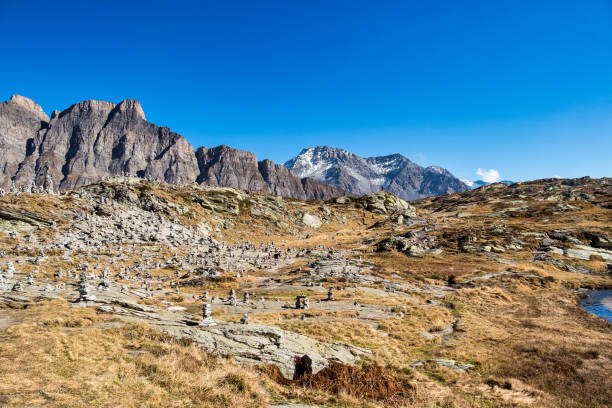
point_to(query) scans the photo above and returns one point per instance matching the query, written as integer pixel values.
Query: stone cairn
(302, 302)
(244, 319)
(330, 294)
(207, 319)
(232, 297)
(47, 186)
(10, 270)
(106, 279)
(84, 290)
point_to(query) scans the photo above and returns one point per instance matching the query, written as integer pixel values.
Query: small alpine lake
(599, 302)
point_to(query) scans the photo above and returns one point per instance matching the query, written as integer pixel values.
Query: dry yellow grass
(55, 355)
(523, 330)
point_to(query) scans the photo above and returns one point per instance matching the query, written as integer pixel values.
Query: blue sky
(522, 87)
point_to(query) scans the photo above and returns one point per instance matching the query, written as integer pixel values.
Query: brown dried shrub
(370, 382)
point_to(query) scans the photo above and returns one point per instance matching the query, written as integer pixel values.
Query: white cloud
(488, 176)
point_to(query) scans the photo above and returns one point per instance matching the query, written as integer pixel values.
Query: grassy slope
(530, 342)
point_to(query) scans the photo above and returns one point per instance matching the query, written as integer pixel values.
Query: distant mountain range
(357, 175)
(472, 184)
(92, 139)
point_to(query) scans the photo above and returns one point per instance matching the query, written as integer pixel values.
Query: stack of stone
(17, 287)
(232, 297)
(302, 302)
(330, 294)
(48, 185)
(10, 270)
(207, 319)
(84, 290)
(106, 279)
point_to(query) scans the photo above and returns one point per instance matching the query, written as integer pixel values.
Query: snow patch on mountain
(469, 183)
(472, 184)
(436, 169)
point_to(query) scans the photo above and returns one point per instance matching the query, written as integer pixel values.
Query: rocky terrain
(92, 140)
(133, 292)
(358, 176)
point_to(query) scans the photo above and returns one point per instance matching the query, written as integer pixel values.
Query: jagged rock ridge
(94, 139)
(357, 175)
(227, 167)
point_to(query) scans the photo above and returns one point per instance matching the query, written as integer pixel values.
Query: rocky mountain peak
(28, 104)
(88, 105)
(131, 107)
(128, 108)
(357, 175)
(437, 169)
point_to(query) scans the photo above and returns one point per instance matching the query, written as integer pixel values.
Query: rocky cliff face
(227, 167)
(357, 175)
(94, 139)
(20, 121)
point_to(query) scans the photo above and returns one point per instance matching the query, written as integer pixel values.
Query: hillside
(463, 300)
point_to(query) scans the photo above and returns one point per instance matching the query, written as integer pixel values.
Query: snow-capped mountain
(357, 175)
(472, 184)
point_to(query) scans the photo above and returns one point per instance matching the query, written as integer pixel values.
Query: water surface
(599, 302)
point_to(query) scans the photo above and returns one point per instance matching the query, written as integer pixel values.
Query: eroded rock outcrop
(380, 202)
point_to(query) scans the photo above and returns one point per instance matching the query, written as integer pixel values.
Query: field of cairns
(134, 293)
